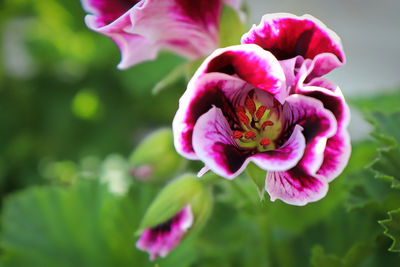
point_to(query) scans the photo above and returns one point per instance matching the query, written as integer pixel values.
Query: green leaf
(392, 229)
(258, 176)
(320, 258)
(385, 102)
(83, 225)
(354, 257)
(386, 166)
(387, 132)
(231, 27)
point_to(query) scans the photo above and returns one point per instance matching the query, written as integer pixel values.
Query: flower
(159, 240)
(142, 28)
(265, 101)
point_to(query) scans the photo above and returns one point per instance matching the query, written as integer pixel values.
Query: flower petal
(288, 36)
(188, 28)
(214, 145)
(319, 124)
(212, 89)
(338, 147)
(108, 10)
(158, 241)
(284, 157)
(295, 186)
(251, 64)
(336, 155)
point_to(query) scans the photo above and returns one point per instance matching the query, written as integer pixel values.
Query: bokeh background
(67, 114)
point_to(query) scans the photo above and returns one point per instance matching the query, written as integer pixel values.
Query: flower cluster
(266, 101)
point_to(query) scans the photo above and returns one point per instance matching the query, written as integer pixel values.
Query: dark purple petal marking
(338, 147)
(295, 186)
(214, 89)
(251, 64)
(213, 144)
(108, 10)
(284, 157)
(288, 36)
(318, 123)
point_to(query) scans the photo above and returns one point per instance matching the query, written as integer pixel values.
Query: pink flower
(265, 101)
(159, 240)
(142, 28)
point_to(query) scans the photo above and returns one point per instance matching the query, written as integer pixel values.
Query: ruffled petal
(188, 28)
(338, 147)
(295, 186)
(319, 124)
(214, 145)
(251, 64)
(158, 241)
(288, 36)
(204, 92)
(284, 157)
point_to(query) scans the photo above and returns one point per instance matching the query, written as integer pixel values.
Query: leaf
(392, 229)
(387, 132)
(83, 225)
(387, 101)
(386, 166)
(320, 258)
(258, 176)
(355, 256)
(231, 27)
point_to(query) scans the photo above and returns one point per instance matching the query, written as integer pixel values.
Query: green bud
(185, 190)
(155, 158)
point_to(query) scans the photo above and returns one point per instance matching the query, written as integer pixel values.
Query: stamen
(251, 106)
(267, 123)
(260, 112)
(265, 142)
(250, 135)
(243, 117)
(237, 134)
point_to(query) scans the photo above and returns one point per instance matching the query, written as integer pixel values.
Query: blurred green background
(69, 121)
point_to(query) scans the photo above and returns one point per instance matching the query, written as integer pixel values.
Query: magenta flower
(159, 240)
(265, 101)
(142, 28)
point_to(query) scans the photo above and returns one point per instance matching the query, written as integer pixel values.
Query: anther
(251, 106)
(260, 112)
(250, 135)
(265, 142)
(243, 117)
(237, 134)
(267, 123)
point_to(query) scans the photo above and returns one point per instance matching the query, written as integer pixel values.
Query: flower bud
(182, 207)
(155, 158)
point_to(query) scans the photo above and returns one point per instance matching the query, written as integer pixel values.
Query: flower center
(258, 124)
